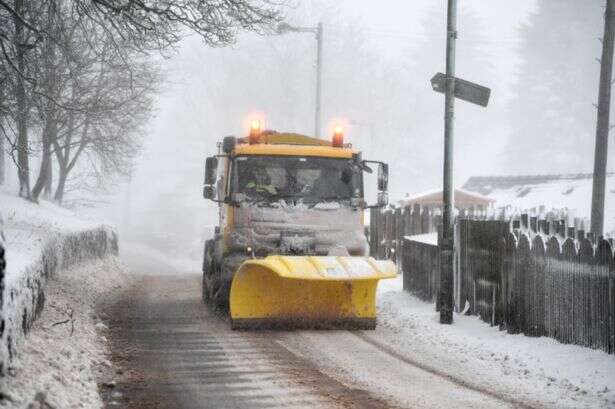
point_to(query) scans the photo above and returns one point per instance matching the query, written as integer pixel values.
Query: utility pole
(318, 78)
(2, 154)
(2, 165)
(448, 193)
(284, 28)
(603, 126)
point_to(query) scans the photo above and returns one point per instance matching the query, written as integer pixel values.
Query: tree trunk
(23, 165)
(49, 183)
(62, 175)
(63, 155)
(45, 171)
(50, 131)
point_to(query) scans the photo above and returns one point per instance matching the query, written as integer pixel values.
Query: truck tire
(205, 291)
(207, 271)
(220, 299)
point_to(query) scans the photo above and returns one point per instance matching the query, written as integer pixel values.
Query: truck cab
(284, 194)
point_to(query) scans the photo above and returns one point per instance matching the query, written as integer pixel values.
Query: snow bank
(64, 356)
(427, 238)
(539, 371)
(552, 191)
(39, 240)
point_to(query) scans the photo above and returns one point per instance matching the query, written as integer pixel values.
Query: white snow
(446, 366)
(427, 238)
(536, 370)
(60, 365)
(26, 227)
(572, 193)
(410, 199)
(40, 241)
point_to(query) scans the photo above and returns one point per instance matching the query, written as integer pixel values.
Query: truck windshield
(306, 179)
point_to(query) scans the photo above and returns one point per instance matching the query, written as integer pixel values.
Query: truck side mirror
(382, 181)
(383, 177)
(209, 192)
(211, 168)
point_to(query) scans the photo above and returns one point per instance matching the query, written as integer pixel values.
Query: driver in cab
(261, 183)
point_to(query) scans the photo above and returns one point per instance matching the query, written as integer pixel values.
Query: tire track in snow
(175, 353)
(363, 336)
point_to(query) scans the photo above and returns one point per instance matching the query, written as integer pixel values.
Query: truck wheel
(205, 289)
(208, 270)
(220, 298)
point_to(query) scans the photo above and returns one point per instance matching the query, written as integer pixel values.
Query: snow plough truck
(290, 249)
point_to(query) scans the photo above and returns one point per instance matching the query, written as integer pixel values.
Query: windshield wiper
(272, 198)
(328, 199)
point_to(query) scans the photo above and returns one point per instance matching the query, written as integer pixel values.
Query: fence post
(408, 220)
(373, 232)
(539, 262)
(399, 235)
(586, 258)
(525, 222)
(612, 311)
(381, 234)
(416, 219)
(509, 249)
(2, 272)
(405, 265)
(533, 225)
(457, 268)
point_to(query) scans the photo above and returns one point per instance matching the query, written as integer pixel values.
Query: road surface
(174, 353)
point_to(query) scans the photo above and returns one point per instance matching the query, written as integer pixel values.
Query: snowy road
(174, 353)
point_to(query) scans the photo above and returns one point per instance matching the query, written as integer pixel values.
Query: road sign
(465, 90)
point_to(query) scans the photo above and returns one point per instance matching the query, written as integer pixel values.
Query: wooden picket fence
(525, 274)
(420, 263)
(540, 278)
(389, 226)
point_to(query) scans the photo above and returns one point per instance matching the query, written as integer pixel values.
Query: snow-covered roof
(434, 196)
(572, 191)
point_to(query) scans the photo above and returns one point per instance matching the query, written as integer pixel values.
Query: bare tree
(21, 116)
(114, 103)
(41, 44)
(48, 106)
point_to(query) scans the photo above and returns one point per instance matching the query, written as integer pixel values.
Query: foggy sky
(378, 59)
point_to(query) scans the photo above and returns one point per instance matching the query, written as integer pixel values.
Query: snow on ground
(571, 192)
(537, 370)
(427, 238)
(63, 356)
(27, 225)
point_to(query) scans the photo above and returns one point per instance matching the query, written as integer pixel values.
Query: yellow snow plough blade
(307, 291)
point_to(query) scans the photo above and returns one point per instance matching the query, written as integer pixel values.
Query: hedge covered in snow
(22, 295)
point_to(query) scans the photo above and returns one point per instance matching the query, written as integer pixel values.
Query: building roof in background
(563, 191)
(434, 197)
(486, 184)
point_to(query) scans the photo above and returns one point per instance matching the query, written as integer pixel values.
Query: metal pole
(318, 78)
(602, 128)
(2, 165)
(448, 224)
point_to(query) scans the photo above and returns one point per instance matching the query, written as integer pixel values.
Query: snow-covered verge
(64, 356)
(539, 371)
(39, 241)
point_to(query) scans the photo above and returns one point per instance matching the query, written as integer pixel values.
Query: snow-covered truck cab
(284, 194)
